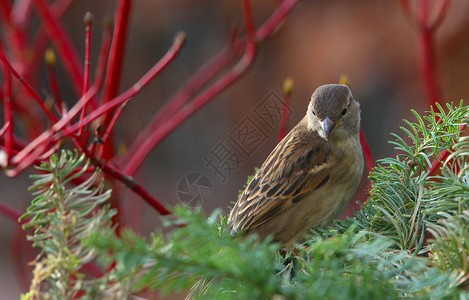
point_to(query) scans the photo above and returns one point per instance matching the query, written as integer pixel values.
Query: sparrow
(310, 176)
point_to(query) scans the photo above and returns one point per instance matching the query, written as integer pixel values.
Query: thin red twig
(248, 21)
(103, 56)
(275, 20)
(7, 98)
(28, 87)
(230, 77)
(190, 108)
(59, 130)
(426, 31)
(112, 123)
(58, 9)
(126, 179)
(135, 89)
(88, 20)
(114, 70)
(63, 44)
(9, 212)
(44, 141)
(443, 156)
(52, 77)
(21, 13)
(116, 56)
(21, 254)
(196, 82)
(5, 9)
(366, 151)
(429, 66)
(441, 11)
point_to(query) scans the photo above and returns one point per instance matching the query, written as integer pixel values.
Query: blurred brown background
(372, 43)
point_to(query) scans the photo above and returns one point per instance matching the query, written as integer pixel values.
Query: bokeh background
(371, 42)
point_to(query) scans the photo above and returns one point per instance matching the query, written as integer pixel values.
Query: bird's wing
(294, 169)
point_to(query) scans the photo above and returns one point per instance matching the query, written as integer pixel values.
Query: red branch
(366, 151)
(28, 87)
(135, 89)
(88, 20)
(443, 156)
(221, 84)
(114, 71)
(62, 43)
(60, 129)
(7, 98)
(426, 27)
(124, 178)
(53, 82)
(9, 212)
(193, 86)
(58, 9)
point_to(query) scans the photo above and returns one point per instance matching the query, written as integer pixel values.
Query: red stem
(427, 49)
(406, 8)
(7, 98)
(429, 67)
(135, 89)
(103, 55)
(197, 81)
(92, 269)
(40, 144)
(34, 149)
(5, 9)
(129, 181)
(20, 255)
(366, 151)
(28, 87)
(63, 44)
(230, 77)
(54, 85)
(86, 79)
(248, 22)
(114, 71)
(275, 20)
(58, 9)
(134, 186)
(109, 129)
(116, 55)
(21, 13)
(443, 156)
(190, 108)
(9, 212)
(440, 15)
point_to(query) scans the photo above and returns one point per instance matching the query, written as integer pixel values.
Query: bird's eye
(344, 111)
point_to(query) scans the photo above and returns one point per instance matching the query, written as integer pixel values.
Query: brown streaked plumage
(310, 176)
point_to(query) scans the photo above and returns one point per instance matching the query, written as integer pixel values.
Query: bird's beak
(327, 126)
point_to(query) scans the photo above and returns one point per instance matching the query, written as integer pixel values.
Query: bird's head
(333, 108)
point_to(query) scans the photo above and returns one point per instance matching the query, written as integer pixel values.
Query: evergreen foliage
(410, 240)
(62, 218)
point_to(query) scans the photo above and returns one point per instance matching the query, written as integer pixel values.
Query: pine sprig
(346, 266)
(404, 195)
(62, 217)
(178, 260)
(450, 246)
